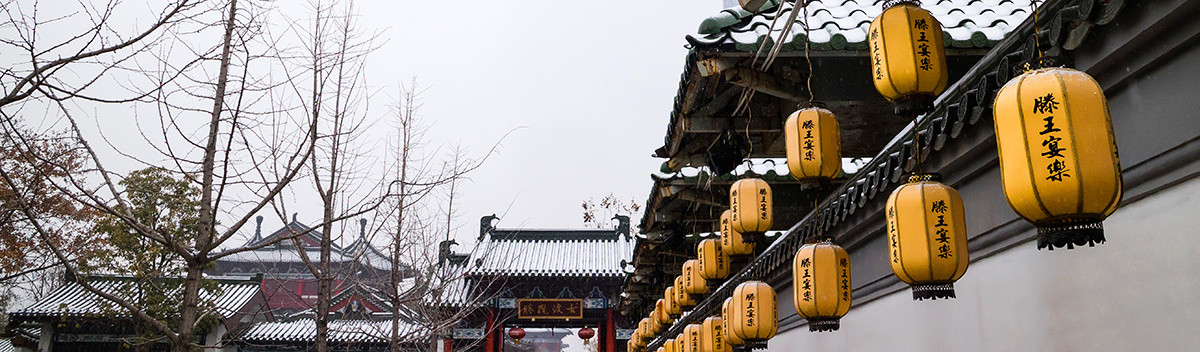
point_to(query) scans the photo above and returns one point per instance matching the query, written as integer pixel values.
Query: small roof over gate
(547, 252)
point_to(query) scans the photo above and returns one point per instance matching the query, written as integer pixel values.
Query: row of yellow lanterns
(747, 317)
(1059, 170)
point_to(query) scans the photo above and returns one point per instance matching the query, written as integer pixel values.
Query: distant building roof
(73, 300)
(284, 249)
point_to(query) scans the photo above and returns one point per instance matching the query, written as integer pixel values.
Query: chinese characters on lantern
(750, 310)
(806, 285)
(876, 54)
(844, 267)
(1056, 166)
(942, 235)
(893, 235)
(808, 140)
(763, 211)
(922, 27)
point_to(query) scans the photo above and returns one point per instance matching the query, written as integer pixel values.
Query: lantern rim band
(933, 291)
(890, 3)
(924, 177)
(1070, 233)
(1038, 63)
(824, 324)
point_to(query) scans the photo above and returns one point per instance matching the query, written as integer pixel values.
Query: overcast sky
(590, 84)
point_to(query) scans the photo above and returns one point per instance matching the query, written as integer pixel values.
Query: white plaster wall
(1140, 291)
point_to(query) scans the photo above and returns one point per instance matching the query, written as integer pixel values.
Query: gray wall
(1140, 291)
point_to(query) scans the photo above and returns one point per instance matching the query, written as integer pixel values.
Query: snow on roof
(522, 252)
(73, 300)
(340, 331)
(843, 24)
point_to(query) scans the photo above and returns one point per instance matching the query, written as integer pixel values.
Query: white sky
(586, 85)
(591, 82)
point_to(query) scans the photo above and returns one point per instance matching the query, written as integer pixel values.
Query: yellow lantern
(644, 325)
(631, 346)
(728, 319)
(682, 298)
(691, 335)
(908, 57)
(669, 346)
(750, 205)
(712, 261)
(671, 302)
(821, 285)
(814, 147)
(1058, 156)
(755, 306)
(712, 336)
(660, 313)
(680, 342)
(662, 349)
(927, 236)
(693, 283)
(732, 242)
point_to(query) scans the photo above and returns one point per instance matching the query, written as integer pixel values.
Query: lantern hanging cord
(1036, 41)
(748, 94)
(787, 30)
(807, 58)
(916, 143)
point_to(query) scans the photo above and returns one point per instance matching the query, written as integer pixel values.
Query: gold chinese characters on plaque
(550, 308)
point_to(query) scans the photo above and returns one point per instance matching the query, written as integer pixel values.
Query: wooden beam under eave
(698, 197)
(764, 83)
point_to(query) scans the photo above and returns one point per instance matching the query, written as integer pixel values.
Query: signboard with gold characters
(550, 308)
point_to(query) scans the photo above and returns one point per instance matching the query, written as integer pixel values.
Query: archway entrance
(551, 283)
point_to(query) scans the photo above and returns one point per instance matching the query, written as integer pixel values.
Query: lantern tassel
(933, 291)
(1070, 234)
(823, 324)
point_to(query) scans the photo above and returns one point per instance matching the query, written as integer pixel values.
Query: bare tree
(47, 64)
(598, 213)
(334, 53)
(217, 128)
(412, 228)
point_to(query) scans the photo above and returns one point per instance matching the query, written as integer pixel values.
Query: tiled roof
(6, 346)
(551, 252)
(340, 331)
(73, 300)
(843, 24)
(366, 253)
(283, 255)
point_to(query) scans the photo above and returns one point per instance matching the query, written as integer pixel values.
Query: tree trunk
(189, 311)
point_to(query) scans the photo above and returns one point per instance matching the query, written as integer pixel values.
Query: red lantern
(516, 334)
(586, 333)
